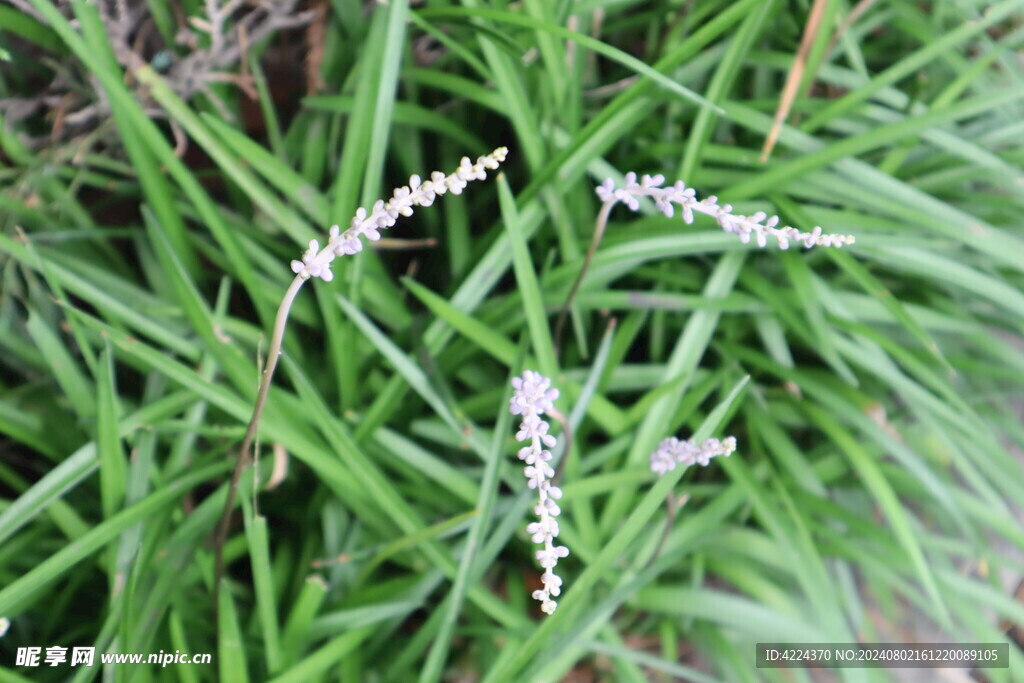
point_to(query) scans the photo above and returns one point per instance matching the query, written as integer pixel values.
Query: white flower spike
(317, 263)
(533, 396)
(672, 451)
(760, 225)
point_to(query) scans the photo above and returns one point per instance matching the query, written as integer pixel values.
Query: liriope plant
(316, 263)
(533, 395)
(759, 225)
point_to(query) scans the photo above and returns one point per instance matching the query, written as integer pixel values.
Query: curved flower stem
(673, 505)
(316, 262)
(245, 451)
(599, 227)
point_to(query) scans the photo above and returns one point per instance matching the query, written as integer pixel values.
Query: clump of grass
(143, 258)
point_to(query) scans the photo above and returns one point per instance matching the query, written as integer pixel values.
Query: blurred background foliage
(160, 164)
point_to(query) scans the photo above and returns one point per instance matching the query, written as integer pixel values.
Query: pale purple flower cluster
(760, 224)
(533, 396)
(672, 451)
(317, 263)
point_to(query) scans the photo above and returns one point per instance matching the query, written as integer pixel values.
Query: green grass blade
(231, 661)
(601, 48)
(529, 287)
(113, 468)
(25, 590)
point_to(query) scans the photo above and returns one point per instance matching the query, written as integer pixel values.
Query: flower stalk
(316, 263)
(672, 452)
(759, 225)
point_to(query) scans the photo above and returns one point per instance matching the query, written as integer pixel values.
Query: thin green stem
(601, 224)
(673, 505)
(245, 451)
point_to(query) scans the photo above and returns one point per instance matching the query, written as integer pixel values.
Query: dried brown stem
(796, 74)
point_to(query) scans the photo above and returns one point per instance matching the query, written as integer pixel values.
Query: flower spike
(317, 263)
(760, 225)
(672, 451)
(533, 396)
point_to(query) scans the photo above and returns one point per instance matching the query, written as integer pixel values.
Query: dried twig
(316, 34)
(129, 28)
(796, 74)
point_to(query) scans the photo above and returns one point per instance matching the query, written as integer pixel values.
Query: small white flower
(553, 583)
(5, 624)
(548, 506)
(686, 199)
(543, 531)
(534, 391)
(533, 397)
